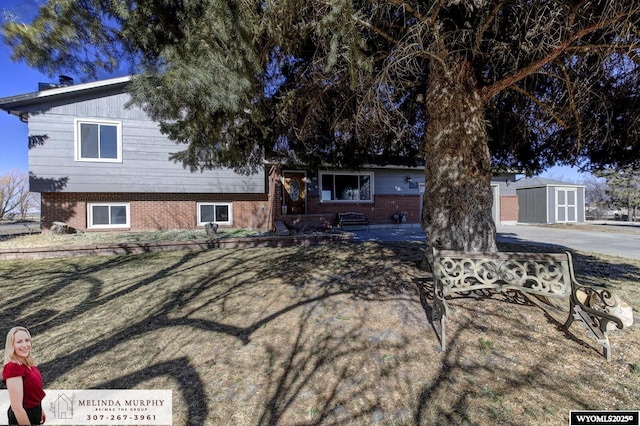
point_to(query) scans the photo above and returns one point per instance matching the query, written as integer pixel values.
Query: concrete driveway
(619, 243)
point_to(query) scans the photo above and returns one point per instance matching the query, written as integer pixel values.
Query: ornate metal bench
(352, 219)
(542, 274)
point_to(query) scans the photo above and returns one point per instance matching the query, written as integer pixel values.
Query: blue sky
(14, 80)
(18, 78)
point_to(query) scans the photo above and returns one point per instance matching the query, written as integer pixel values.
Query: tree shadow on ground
(323, 335)
(190, 384)
(309, 355)
(86, 274)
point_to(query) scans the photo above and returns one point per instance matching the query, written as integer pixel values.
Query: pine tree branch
(586, 48)
(491, 90)
(414, 12)
(572, 107)
(541, 104)
(376, 30)
(483, 29)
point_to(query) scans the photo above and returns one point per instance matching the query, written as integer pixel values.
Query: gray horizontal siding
(145, 163)
(394, 182)
(532, 205)
(106, 104)
(581, 202)
(551, 204)
(506, 183)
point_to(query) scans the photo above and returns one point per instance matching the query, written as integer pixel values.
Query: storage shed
(542, 200)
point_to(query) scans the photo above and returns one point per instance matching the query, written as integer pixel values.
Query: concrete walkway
(609, 243)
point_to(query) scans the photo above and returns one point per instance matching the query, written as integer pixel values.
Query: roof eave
(12, 104)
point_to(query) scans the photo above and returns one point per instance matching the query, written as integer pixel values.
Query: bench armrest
(596, 303)
(591, 310)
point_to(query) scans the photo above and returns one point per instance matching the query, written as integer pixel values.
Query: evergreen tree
(623, 188)
(465, 86)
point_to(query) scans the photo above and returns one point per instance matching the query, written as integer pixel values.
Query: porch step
(281, 228)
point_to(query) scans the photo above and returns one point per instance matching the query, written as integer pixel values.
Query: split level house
(101, 166)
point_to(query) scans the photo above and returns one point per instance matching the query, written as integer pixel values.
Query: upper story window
(346, 187)
(98, 140)
(220, 213)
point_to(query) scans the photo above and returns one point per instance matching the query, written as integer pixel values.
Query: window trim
(334, 173)
(90, 224)
(214, 203)
(77, 144)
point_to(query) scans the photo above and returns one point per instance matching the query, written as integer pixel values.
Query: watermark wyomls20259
(604, 418)
(103, 407)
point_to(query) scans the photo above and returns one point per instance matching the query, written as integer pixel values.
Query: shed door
(566, 205)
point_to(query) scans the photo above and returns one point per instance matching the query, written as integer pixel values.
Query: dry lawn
(334, 335)
(17, 240)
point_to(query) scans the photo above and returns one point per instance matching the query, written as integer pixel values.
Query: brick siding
(378, 213)
(154, 211)
(509, 208)
(252, 211)
(323, 215)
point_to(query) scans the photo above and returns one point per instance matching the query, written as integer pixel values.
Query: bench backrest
(351, 216)
(547, 274)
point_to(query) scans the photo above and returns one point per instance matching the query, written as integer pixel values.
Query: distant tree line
(15, 199)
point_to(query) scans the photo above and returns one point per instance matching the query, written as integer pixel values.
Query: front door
(295, 193)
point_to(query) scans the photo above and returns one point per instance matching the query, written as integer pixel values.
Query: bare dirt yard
(335, 334)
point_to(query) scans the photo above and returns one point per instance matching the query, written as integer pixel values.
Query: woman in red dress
(23, 380)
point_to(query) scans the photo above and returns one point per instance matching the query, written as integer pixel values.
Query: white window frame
(214, 204)
(90, 224)
(340, 173)
(77, 141)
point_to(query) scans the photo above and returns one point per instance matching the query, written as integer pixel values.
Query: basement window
(220, 213)
(108, 215)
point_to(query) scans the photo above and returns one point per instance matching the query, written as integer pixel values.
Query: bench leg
(439, 312)
(443, 335)
(593, 314)
(597, 329)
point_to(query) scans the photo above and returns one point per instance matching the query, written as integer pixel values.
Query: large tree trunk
(456, 213)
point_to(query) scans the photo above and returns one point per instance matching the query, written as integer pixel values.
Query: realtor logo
(62, 407)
